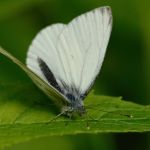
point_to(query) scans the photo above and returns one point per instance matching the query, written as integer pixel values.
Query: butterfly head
(74, 111)
(75, 107)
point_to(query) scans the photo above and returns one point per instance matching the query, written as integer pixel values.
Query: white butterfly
(69, 57)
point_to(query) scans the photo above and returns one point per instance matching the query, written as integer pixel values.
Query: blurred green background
(125, 72)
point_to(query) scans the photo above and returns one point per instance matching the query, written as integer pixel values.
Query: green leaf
(26, 113)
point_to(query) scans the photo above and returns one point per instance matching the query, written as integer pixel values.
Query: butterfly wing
(82, 46)
(69, 57)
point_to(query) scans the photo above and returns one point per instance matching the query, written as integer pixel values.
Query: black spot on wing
(48, 74)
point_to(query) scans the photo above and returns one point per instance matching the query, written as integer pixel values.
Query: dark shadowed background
(125, 72)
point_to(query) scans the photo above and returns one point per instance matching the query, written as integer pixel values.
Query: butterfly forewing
(82, 45)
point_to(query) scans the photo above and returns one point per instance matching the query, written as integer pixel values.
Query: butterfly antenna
(56, 117)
